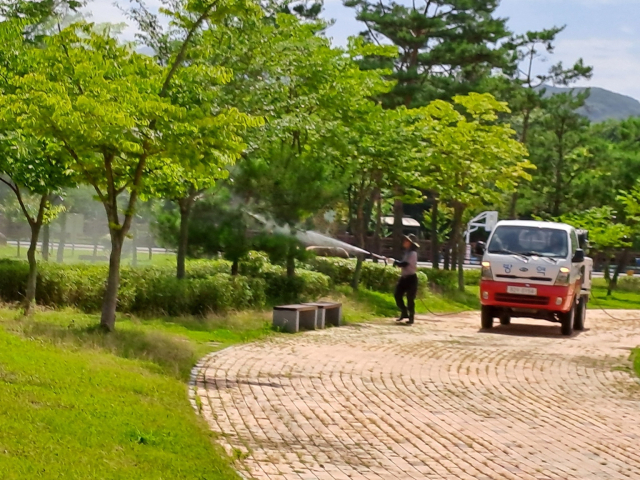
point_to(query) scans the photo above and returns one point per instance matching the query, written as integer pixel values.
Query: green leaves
(466, 156)
(606, 232)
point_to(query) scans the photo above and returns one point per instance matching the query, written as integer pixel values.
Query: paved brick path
(439, 400)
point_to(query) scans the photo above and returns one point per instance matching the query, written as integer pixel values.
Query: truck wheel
(581, 314)
(505, 320)
(567, 320)
(486, 317)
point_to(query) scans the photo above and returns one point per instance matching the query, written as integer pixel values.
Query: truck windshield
(520, 240)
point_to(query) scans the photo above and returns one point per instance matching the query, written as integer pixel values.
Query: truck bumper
(549, 297)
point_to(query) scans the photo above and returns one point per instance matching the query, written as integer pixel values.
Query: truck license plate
(522, 290)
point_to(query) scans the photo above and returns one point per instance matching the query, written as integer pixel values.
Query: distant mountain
(603, 104)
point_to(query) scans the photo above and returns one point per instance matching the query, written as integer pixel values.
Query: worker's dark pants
(407, 286)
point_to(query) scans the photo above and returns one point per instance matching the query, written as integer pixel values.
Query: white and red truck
(535, 270)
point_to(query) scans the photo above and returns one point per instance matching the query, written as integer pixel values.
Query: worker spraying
(408, 283)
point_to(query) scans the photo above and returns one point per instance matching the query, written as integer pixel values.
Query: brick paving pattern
(439, 400)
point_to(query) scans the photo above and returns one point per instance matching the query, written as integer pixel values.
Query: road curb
(193, 392)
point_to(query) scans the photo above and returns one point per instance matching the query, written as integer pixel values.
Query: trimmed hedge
(381, 278)
(447, 280)
(374, 276)
(154, 290)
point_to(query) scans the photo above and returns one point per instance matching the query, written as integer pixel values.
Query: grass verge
(370, 305)
(619, 299)
(78, 404)
(635, 358)
(81, 413)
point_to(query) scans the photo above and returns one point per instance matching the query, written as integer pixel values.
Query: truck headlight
(486, 271)
(563, 277)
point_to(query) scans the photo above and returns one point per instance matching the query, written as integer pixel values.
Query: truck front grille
(535, 279)
(521, 299)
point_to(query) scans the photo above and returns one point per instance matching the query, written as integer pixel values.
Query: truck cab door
(576, 267)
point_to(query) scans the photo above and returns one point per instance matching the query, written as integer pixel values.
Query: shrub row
(154, 290)
(374, 276)
(381, 278)
(447, 280)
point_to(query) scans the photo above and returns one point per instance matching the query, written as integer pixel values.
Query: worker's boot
(403, 316)
(410, 322)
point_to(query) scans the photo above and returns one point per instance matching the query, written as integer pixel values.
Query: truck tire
(505, 319)
(486, 316)
(567, 319)
(581, 315)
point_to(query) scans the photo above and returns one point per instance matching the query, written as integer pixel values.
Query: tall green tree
(34, 168)
(606, 233)
(468, 157)
(31, 165)
(561, 148)
(616, 147)
(309, 93)
(193, 174)
(446, 48)
(526, 92)
(114, 111)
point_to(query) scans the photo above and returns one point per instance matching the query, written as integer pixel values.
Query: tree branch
(180, 57)
(23, 207)
(111, 201)
(41, 209)
(13, 187)
(128, 217)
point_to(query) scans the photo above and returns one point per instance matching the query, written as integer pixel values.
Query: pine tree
(447, 47)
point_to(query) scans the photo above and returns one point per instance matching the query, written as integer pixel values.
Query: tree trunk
(110, 300)
(559, 181)
(30, 297)
(18, 247)
(183, 242)
(455, 227)
(355, 281)
(513, 206)
(63, 238)
(447, 256)
(291, 263)
(398, 227)
(377, 234)
(46, 233)
(458, 212)
(607, 267)
(360, 229)
(622, 264)
(134, 245)
(150, 252)
(435, 246)
(235, 267)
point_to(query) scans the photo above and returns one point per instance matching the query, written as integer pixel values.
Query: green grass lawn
(635, 356)
(78, 404)
(621, 298)
(370, 305)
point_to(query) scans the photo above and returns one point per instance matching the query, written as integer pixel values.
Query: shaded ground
(438, 400)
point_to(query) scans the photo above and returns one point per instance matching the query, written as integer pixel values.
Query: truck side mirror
(579, 256)
(480, 248)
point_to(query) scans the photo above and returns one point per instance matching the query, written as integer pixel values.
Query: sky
(605, 33)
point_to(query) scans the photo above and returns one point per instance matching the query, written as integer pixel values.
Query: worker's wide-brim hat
(413, 239)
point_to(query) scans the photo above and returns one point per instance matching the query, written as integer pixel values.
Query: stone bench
(291, 318)
(327, 313)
